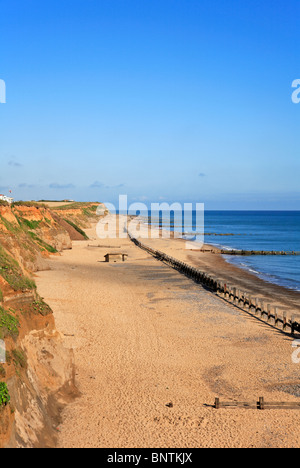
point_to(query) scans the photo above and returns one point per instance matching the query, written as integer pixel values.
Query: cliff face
(38, 372)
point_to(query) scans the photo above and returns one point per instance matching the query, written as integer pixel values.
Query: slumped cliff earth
(37, 372)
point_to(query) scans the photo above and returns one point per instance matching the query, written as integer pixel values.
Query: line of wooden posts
(260, 404)
(241, 299)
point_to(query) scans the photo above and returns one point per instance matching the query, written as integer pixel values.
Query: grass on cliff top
(77, 205)
(10, 270)
(29, 204)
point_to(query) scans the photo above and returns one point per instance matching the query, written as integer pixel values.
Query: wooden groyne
(256, 252)
(247, 252)
(243, 300)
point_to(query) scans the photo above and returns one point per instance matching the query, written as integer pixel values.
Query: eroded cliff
(36, 372)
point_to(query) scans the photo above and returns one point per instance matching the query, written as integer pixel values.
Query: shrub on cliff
(4, 394)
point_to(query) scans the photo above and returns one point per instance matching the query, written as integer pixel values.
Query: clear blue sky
(176, 100)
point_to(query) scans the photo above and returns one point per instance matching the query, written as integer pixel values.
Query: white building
(5, 198)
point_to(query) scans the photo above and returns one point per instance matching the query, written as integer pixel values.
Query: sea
(247, 230)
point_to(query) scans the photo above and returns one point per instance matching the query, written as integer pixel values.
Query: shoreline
(240, 254)
(210, 260)
(215, 264)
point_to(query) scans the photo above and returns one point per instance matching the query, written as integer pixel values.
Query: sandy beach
(153, 349)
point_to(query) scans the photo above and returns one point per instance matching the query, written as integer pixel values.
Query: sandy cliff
(38, 372)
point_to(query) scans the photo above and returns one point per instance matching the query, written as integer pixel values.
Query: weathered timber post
(276, 316)
(292, 324)
(234, 295)
(239, 296)
(261, 403)
(256, 306)
(262, 309)
(269, 312)
(284, 321)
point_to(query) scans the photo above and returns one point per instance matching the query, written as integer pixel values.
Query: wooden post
(284, 321)
(269, 312)
(262, 308)
(234, 295)
(217, 403)
(276, 316)
(292, 324)
(256, 306)
(261, 403)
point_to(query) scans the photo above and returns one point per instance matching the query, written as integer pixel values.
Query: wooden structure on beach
(115, 257)
(241, 299)
(260, 404)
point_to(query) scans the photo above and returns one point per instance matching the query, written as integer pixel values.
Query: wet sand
(153, 350)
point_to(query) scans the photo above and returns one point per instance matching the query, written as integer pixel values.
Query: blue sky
(172, 100)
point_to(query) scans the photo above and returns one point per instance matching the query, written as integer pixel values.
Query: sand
(153, 350)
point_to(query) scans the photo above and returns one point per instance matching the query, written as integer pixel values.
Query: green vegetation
(74, 206)
(4, 394)
(4, 203)
(90, 210)
(13, 228)
(30, 224)
(42, 244)
(29, 204)
(12, 273)
(40, 307)
(19, 358)
(78, 229)
(9, 325)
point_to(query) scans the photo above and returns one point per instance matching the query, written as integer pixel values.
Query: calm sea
(253, 230)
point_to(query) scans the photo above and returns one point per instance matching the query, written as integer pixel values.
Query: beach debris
(170, 405)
